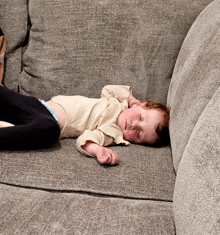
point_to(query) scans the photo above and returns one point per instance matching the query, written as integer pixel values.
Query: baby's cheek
(130, 136)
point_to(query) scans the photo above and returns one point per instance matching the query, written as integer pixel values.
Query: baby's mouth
(125, 123)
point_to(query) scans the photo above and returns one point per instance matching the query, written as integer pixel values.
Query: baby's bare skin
(59, 111)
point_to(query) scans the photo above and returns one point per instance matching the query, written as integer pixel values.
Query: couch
(167, 51)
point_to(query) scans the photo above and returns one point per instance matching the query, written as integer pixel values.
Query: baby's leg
(40, 133)
(14, 107)
(34, 125)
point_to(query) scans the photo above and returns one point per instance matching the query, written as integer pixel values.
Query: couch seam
(87, 193)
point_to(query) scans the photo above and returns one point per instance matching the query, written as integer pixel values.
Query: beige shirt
(94, 120)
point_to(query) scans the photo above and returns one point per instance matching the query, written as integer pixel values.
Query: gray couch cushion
(195, 78)
(196, 197)
(25, 211)
(195, 127)
(143, 172)
(77, 47)
(13, 22)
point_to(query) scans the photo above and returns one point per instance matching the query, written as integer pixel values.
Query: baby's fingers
(107, 156)
(104, 159)
(114, 158)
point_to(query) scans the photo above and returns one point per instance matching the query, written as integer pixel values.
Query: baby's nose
(134, 125)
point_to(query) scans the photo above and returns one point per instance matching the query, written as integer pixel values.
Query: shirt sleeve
(95, 136)
(117, 91)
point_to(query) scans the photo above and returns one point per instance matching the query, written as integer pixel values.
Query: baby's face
(139, 124)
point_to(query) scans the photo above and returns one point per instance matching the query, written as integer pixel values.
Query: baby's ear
(143, 104)
(136, 104)
(139, 103)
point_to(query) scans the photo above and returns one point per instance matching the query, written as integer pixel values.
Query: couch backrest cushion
(77, 47)
(195, 79)
(13, 22)
(197, 184)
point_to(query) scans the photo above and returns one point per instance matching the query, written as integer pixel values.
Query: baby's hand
(107, 156)
(104, 155)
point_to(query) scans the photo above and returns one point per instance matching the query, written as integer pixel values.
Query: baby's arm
(104, 155)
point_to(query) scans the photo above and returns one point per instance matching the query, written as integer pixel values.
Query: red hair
(162, 129)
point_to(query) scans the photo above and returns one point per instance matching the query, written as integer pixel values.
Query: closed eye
(141, 117)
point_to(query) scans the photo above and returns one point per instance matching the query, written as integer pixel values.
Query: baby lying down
(116, 118)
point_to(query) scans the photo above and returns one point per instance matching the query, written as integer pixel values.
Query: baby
(116, 118)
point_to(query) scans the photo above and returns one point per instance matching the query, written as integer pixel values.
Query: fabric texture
(42, 212)
(77, 48)
(194, 97)
(143, 172)
(14, 24)
(34, 127)
(95, 119)
(195, 79)
(197, 185)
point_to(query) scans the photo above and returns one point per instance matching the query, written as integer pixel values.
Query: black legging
(34, 128)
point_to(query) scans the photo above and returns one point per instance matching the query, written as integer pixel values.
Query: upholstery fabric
(195, 78)
(25, 211)
(13, 22)
(143, 172)
(196, 197)
(78, 48)
(195, 102)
